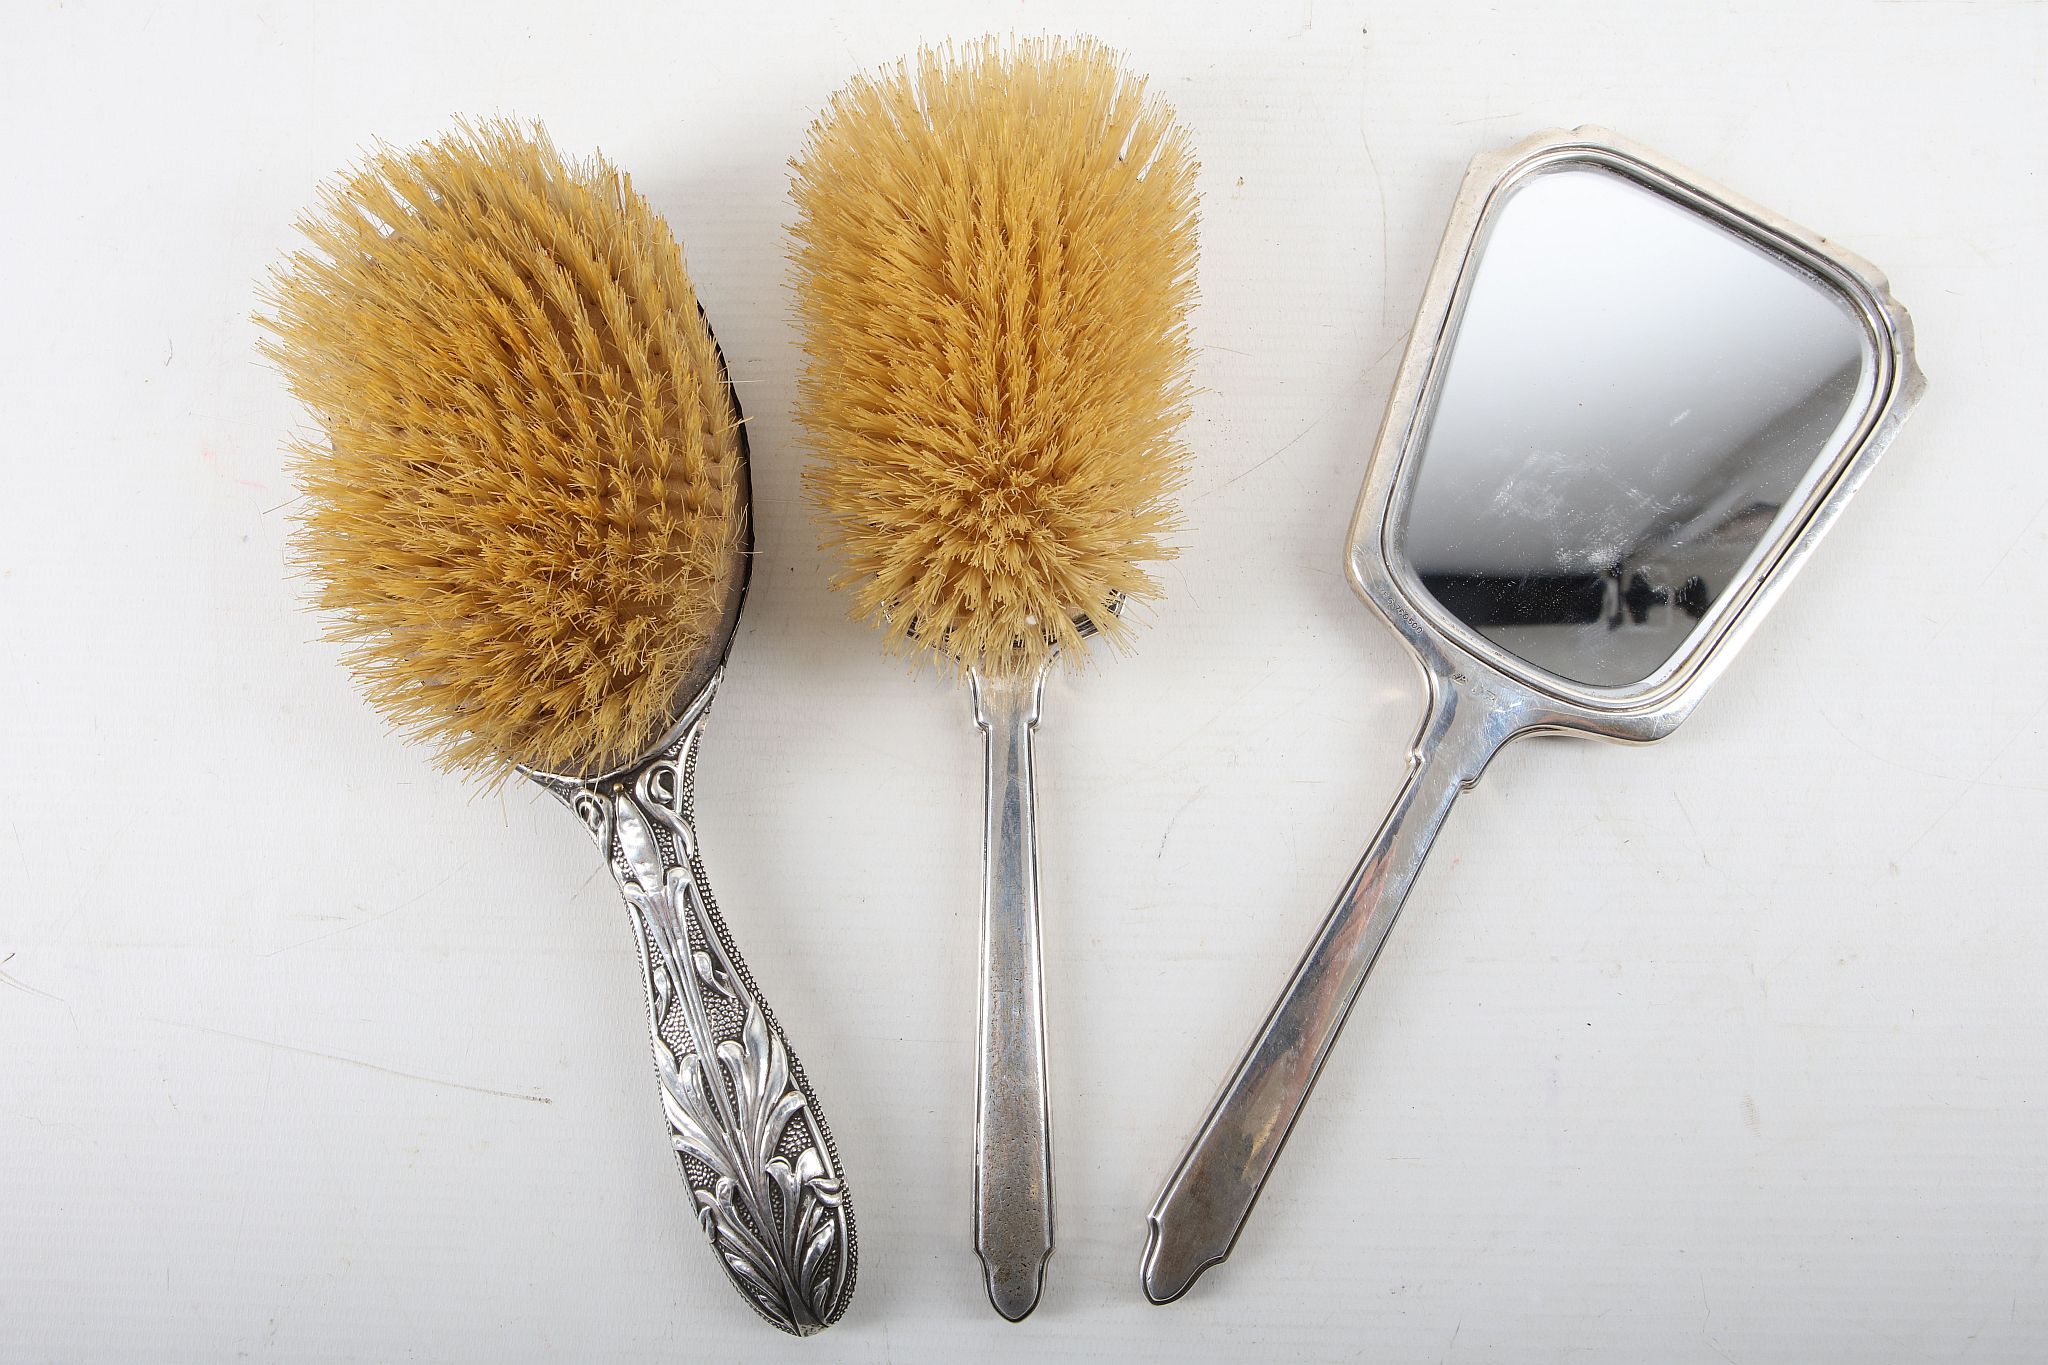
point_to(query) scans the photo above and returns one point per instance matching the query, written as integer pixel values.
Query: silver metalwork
(1012, 1114)
(745, 1125)
(1481, 696)
(1012, 1110)
(752, 1144)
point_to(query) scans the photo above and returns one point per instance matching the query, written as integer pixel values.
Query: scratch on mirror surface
(357, 1061)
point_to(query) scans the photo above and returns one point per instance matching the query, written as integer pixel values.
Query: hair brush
(995, 260)
(528, 518)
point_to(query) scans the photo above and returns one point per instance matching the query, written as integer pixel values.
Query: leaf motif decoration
(775, 1223)
(779, 1224)
(713, 975)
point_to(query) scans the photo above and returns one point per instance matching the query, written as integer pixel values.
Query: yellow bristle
(526, 504)
(995, 260)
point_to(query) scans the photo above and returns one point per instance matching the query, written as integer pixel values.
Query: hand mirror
(1631, 405)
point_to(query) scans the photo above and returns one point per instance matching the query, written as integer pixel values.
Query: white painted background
(1728, 1050)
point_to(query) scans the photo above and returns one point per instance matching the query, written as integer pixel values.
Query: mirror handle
(1199, 1214)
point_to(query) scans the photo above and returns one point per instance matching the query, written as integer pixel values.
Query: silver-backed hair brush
(528, 514)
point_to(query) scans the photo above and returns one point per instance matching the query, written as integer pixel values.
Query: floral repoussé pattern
(757, 1155)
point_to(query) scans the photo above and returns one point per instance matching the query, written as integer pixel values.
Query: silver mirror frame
(1479, 696)
(1451, 653)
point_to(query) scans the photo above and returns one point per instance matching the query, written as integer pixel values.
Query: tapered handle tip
(1171, 1265)
(1013, 1290)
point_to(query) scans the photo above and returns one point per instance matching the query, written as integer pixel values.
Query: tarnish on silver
(746, 1128)
(1012, 1114)
(1012, 1108)
(1205, 1203)
(1479, 696)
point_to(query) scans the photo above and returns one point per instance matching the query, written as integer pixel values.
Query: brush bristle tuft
(995, 265)
(526, 505)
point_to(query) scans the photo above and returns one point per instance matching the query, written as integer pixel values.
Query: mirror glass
(1631, 401)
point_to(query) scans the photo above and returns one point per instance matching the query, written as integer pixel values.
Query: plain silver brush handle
(1012, 1137)
(1203, 1208)
(747, 1132)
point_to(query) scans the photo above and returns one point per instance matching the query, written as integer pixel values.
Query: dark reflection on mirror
(1632, 398)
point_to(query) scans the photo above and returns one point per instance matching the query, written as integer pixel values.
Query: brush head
(995, 263)
(527, 509)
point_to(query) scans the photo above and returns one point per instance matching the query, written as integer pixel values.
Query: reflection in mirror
(1633, 400)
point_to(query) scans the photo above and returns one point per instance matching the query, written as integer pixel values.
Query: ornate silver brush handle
(1012, 1122)
(747, 1131)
